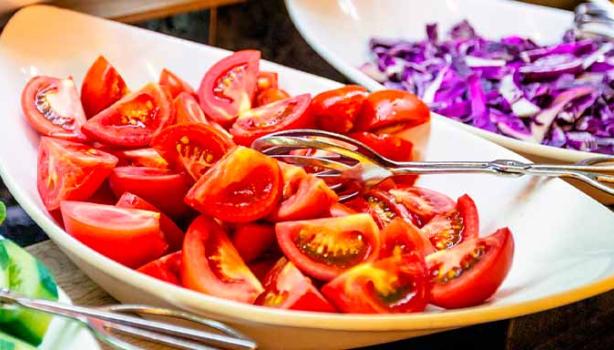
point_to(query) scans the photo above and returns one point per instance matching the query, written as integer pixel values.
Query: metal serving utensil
(105, 320)
(347, 159)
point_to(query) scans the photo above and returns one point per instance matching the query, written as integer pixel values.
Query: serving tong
(102, 321)
(338, 157)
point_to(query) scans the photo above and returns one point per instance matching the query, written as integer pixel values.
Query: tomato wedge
(401, 237)
(52, 107)
(174, 84)
(102, 86)
(172, 233)
(389, 146)
(253, 240)
(391, 110)
(304, 196)
(423, 203)
(144, 157)
(285, 287)
(228, 88)
(338, 209)
(449, 229)
(194, 147)
(261, 267)
(336, 110)
(324, 248)
(472, 271)
(129, 236)
(383, 207)
(211, 264)
(266, 80)
(160, 187)
(280, 115)
(166, 268)
(243, 186)
(70, 171)
(187, 110)
(271, 95)
(133, 120)
(397, 284)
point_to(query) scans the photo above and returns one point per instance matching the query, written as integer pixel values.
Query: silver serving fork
(347, 159)
(105, 320)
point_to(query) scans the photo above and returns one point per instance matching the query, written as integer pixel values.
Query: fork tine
(313, 161)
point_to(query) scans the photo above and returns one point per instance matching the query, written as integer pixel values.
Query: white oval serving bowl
(564, 239)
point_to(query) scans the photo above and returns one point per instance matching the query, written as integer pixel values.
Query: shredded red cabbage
(560, 95)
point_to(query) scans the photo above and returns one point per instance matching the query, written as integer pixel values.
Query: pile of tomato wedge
(162, 180)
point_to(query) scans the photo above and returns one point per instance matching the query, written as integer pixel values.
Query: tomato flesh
(324, 248)
(116, 232)
(401, 237)
(449, 229)
(270, 95)
(253, 240)
(52, 107)
(383, 207)
(285, 287)
(133, 120)
(423, 203)
(391, 109)
(336, 110)
(194, 147)
(174, 84)
(389, 146)
(70, 171)
(392, 285)
(102, 86)
(187, 110)
(248, 192)
(471, 272)
(266, 80)
(142, 157)
(212, 265)
(280, 115)
(166, 268)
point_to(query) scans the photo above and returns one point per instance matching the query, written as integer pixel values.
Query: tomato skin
(166, 268)
(336, 110)
(449, 229)
(358, 289)
(422, 203)
(63, 115)
(143, 157)
(70, 171)
(295, 237)
(194, 147)
(174, 84)
(102, 86)
(115, 232)
(481, 280)
(338, 209)
(261, 267)
(172, 233)
(266, 80)
(391, 108)
(382, 206)
(248, 192)
(285, 287)
(290, 113)
(389, 146)
(270, 95)
(237, 95)
(160, 187)
(402, 237)
(133, 120)
(253, 239)
(212, 265)
(187, 110)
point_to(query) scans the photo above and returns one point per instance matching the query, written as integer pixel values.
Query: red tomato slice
(143, 157)
(383, 207)
(133, 120)
(338, 209)
(172, 233)
(271, 95)
(324, 248)
(423, 203)
(266, 80)
(102, 86)
(285, 287)
(261, 267)
(449, 229)
(70, 171)
(280, 115)
(391, 109)
(116, 232)
(187, 110)
(228, 88)
(389, 146)
(401, 237)
(472, 271)
(304, 196)
(243, 186)
(253, 240)
(174, 84)
(194, 147)
(167, 268)
(212, 265)
(397, 284)
(336, 110)
(52, 107)
(160, 187)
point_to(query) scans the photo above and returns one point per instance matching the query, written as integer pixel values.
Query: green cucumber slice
(8, 342)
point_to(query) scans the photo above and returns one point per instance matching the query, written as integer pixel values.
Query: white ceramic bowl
(339, 30)
(564, 239)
